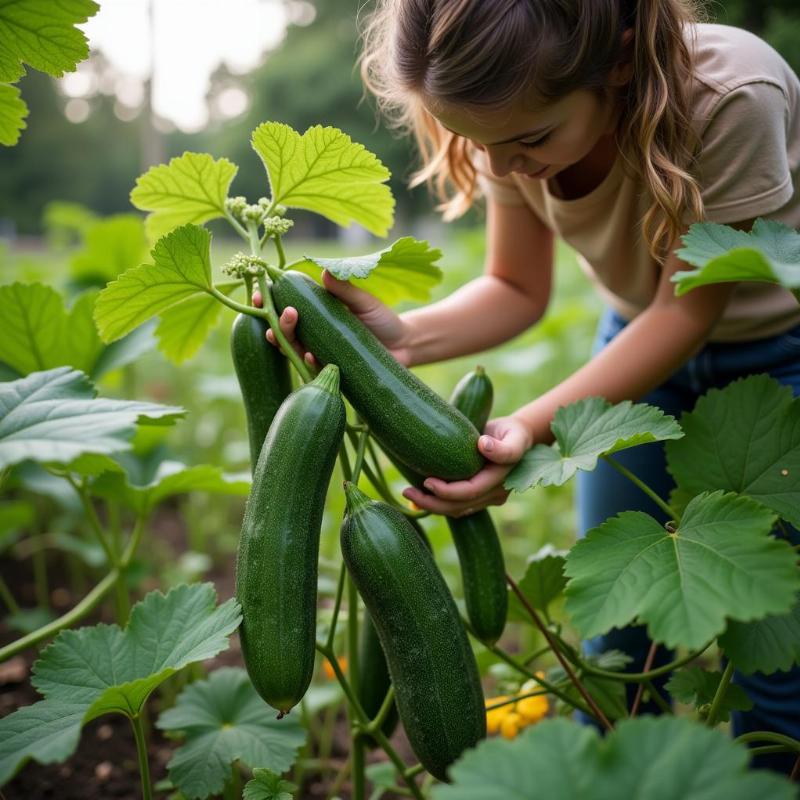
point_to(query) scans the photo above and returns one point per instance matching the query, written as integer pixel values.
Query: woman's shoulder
(726, 58)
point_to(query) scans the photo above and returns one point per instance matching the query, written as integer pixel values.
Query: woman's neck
(587, 174)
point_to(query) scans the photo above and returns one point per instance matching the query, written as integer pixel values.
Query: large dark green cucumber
(483, 570)
(431, 664)
(263, 374)
(374, 680)
(276, 568)
(406, 416)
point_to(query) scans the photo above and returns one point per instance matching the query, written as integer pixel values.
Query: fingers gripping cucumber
(263, 374)
(276, 569)
(406, 416)
(431, 664)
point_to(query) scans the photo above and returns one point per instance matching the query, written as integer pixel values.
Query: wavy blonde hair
(483, 54)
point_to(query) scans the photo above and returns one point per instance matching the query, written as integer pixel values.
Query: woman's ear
(622, 72)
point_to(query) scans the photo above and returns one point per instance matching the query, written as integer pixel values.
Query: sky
(191, 39)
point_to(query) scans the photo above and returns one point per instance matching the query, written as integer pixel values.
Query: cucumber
(431, 664)
(473, 397)
(374, 680)
(405, 415)
(263, 374)
(276, 568)
(483, 569)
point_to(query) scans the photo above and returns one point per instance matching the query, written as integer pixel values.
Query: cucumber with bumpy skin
(276, 568)
(431, 664)
(263, 375)
(406, 416)
(473, 396)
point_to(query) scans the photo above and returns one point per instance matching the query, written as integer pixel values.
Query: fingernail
(428, 485)
(487, 443)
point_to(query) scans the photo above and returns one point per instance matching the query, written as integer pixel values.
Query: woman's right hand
(387, 326)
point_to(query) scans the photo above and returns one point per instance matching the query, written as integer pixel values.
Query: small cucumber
(263, 374)
(483, 570)
(406, 416)
(431, 663)
(276, 568)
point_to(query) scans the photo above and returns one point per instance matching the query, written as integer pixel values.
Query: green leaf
(767, 645)
(585, 431)
(720, 562)
(224, 721)
(696, 687)
(13, 112)
(42, 34)
(52, 416)
(744, 438)
(181, 268)
(770, 252)
(543, 581)
(191, 188)
(184, 327)
(267, 785)
(92, 671)
(398, 272)
(124, 351)
(110, 246)
(325, 172)
(650, 758)
(171, 478)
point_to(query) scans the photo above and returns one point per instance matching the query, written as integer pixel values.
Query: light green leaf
(767, 645)
(720, 563)
(171, 478)
(650, 758)
(543, 581)
(191, 188)
(110, 246)
(92, 671)
(52, 416)
(13, 112)
(744, 438)
(696, 687)
(42, 34)
(125, 350)
(181, 268)
(184, 327)
(770, 252)
(585, 431)
(224, 721)
(266, 785)
(401, 271)
(325, 172)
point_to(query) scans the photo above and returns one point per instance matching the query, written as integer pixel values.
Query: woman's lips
(536, 174)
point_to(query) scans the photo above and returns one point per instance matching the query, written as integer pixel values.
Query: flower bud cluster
(276, 226)
(242, 265)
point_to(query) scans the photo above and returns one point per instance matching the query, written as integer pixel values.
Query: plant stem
(279, 248)
(795, 770)
(596, 710)
(668, 510)
(237, 226)
(648, 663)
(636, 677)
(233, 789)
(770, 748)
(515, 698)
(656, 697)
(336, 606)
(769, 736)
(383, 711)
(356, 739)
(141, 752)
(72, 616)
(39, 561)
(8, 598)
(362, 443)
(716, 703)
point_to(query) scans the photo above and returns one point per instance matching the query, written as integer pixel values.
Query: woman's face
(540, 142)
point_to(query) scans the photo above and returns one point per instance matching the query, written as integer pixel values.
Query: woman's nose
(502, 162)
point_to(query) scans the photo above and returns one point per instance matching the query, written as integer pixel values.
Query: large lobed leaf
(697, 687)
(13, 112)
(181, 269)
(720, 563)
(744, 438)
(266, 785)
(401, 271)
(53, 416)
(770, 252)
(584, 431)
(543, 581)
(110, 246)
(224, 721)
(191, 188)
(649, 758)
(92, 671)
(325, 172)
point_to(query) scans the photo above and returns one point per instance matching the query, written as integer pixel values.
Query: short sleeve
(743, 167)
(503, 190)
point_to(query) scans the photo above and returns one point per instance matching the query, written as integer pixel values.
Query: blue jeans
(604, 493)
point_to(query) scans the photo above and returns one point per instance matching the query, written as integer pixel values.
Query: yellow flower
(532, 709)
(511, 725)
(495, 717)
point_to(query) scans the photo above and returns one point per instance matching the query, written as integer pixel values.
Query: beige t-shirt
(746, 109)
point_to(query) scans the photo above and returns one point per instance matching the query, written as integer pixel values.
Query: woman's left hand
(503, 443)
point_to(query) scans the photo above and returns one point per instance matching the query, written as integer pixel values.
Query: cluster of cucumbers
(412, 634)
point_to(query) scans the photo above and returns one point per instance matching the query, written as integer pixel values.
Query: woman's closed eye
(541, 140)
